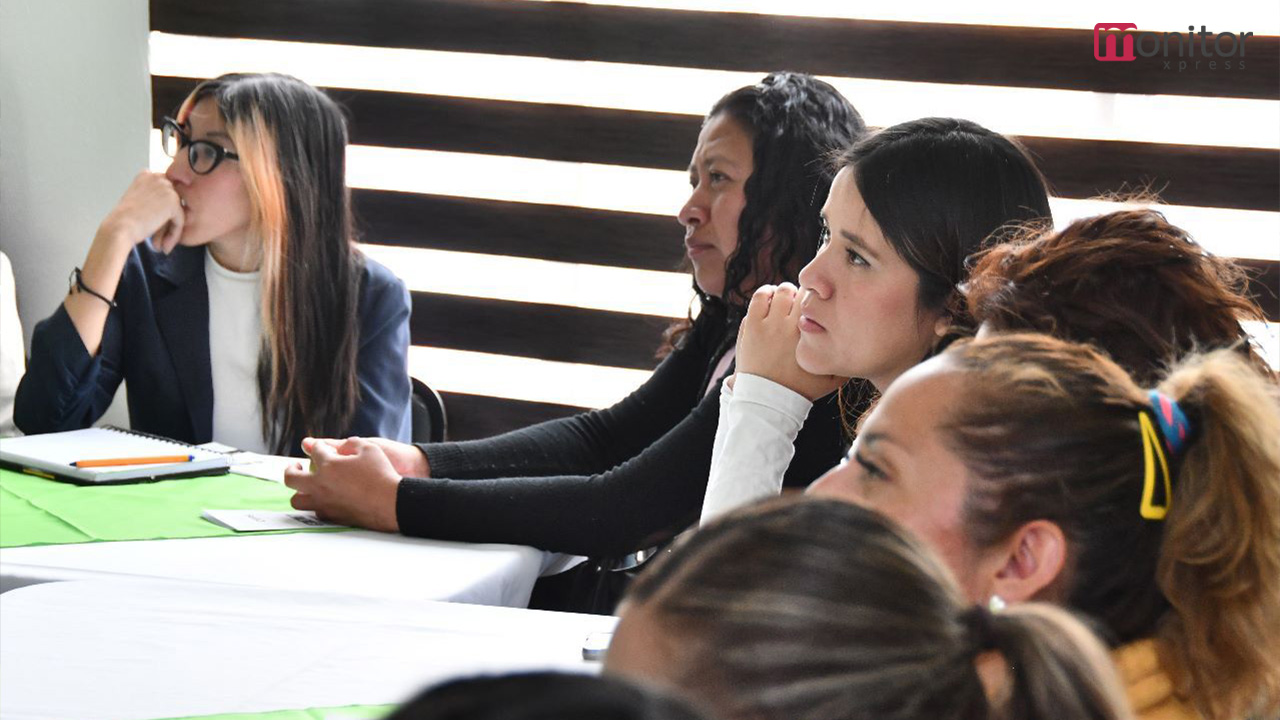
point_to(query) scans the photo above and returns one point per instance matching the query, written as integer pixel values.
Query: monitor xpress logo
(1108, 36)
(1203, 50)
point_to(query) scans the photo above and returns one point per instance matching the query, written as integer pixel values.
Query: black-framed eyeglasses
(202, 155)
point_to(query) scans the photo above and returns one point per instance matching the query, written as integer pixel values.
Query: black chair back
(430, 422)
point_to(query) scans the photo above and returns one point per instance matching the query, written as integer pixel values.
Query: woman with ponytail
(1040, 470)
(768, 614)
(227, 292)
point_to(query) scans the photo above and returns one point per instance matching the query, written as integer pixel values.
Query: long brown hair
(794, 121)
(1052, 430)
(1128, 282)
(291, 139)
(810, 609)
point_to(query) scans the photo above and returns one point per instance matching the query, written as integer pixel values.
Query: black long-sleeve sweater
(602, 483)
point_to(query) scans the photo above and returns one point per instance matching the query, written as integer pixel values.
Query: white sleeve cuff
(762, 391)
(755, 441)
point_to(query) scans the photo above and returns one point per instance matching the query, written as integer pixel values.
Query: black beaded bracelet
(77, 285)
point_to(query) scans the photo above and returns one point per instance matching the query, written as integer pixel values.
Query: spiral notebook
(52, 455)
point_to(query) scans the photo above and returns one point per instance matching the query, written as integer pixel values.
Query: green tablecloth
(36, 511)
(347, 712)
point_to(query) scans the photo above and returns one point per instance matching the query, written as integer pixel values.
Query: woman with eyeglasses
(227, 293)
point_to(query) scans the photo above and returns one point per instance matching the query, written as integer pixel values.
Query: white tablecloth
(115, 649)
(358, 562)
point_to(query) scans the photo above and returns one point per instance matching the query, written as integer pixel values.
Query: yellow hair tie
(1152, 449)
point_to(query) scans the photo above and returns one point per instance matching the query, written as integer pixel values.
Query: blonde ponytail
(1219, 564)
(1055, 431)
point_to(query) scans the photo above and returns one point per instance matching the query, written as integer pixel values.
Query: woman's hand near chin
(407, 459)
(149, 207)
(767, 342)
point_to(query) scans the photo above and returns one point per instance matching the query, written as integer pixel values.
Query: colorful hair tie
(1174, 426)
(1172, 436)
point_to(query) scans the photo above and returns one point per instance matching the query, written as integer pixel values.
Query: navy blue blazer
(157, 341)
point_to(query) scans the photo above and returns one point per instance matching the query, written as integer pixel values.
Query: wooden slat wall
(1218, 177)
(545, 232)
(1242, 178)
(969, 54)
(544, 332)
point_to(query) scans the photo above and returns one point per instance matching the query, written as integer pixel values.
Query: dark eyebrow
(187, 128)
(860, 244)
(713, 159)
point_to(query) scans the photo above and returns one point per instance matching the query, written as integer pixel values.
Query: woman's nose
(694, 212)
(179, 170)
(813, 278)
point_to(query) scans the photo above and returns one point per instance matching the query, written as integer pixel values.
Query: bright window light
(595, 287)
(1227, 232)
(527, 180)
(1016, 111)
(516, 378)
(1258, 18)
(158, 161)
(1222, 231)
(509, 179)
(1268, 337)
(592, 386)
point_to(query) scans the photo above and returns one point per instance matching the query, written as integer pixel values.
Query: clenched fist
(767, 342)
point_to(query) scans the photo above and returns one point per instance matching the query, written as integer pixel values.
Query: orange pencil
(111, 462)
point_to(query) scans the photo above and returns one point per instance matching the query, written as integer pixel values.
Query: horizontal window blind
(519, 163)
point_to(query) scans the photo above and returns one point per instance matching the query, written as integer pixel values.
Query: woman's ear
(1030, 563)
(942, 325)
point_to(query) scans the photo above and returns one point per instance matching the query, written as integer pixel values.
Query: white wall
(75, 101)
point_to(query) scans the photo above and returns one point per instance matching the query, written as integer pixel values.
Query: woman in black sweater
(615, 481)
